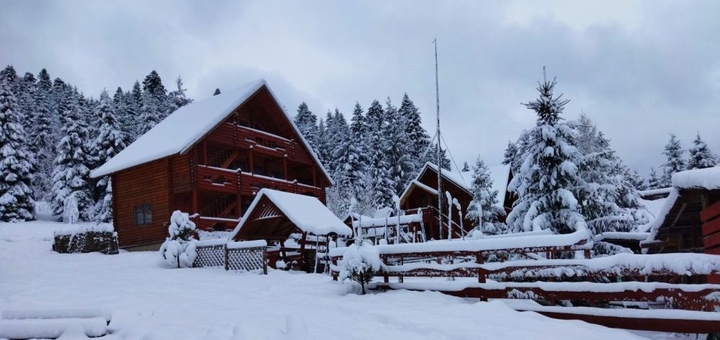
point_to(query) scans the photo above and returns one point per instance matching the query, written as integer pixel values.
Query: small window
(143, 214)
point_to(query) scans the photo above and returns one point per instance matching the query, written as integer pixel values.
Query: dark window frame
(143, 214)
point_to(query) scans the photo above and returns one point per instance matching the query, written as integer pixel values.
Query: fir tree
(306, 122)
(355, 168)
(548, 178)
(700, 155)
(16, 202)
(674, 160)
(484, 210)
(149, 113)
(398, 155)
(431, 157)
(71, 174)
(418, 140)
(43, 139)
(637, 181)
(154, 89)
(44, 82)
(382, 185)
(178, 98)
(465, 167)
(322, 147)
(654, 181)
(217, 92)
(109, 142)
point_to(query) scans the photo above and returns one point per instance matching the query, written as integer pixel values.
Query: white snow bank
(622, 236)
(306, 212)
(57, 313)
(50, 328)
(247, 244)
(486, 244)
(102, 227)
(697, 179)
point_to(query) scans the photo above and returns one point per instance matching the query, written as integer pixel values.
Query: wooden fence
(247, 256)
(595, 284)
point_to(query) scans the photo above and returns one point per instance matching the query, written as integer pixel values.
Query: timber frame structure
(215, 177)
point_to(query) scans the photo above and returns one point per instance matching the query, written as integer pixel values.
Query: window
(143, 214)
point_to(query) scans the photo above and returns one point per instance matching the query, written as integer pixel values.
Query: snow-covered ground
(151, 301)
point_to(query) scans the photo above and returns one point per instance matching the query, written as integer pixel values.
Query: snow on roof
(498, 174)
(655, 224)
(306, 212)
(185, 127)
(653, 192)
(654, 207)
(180, 130)
(697, 179)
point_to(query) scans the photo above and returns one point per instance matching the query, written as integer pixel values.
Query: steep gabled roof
(498, 174)
(185, 127)
(305, 212)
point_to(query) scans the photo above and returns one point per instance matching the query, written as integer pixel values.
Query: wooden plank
(711, 241)
(642, 324)
(711, 212)
(711, 227)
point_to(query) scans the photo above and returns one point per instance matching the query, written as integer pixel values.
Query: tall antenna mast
(439, 152)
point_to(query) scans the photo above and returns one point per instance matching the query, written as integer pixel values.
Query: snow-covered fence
(248, 256)
(92, 238)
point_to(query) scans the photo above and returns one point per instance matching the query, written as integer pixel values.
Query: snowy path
(150, 301)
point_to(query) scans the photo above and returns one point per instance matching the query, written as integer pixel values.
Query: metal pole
(439, 153)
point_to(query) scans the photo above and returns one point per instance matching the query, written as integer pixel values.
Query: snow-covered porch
(275, 216)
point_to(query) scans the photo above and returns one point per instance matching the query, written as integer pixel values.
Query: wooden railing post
(402, 261)
(264, 252)
(227, 257)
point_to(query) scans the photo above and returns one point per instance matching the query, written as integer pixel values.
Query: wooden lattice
(249, 259)
(210, 256)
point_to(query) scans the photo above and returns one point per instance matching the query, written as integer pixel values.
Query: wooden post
(252, 168)
(227, 257)
(238, 195)
(285, 167)
(205, 156)
(264, 260)
(402, 261)
(482, 274)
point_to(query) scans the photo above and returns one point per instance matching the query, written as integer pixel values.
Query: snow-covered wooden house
(421, 193)
(210, 158)
(689, 220)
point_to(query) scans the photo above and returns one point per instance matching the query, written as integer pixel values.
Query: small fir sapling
(178, 249)
(360, 263)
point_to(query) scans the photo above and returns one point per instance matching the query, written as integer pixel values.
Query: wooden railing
(597, 282)
(260, 141)
(234, 181)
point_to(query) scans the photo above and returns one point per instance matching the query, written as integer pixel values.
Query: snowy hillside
(150, 301)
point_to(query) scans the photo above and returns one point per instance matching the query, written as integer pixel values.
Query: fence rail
(248, 256)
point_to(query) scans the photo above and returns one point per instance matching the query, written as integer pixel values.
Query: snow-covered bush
(178, 249)
(360, 263)
(71, 212)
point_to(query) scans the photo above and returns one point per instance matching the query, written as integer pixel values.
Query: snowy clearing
(150, 301)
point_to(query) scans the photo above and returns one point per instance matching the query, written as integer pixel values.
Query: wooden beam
(677, 216)
(252, 168)
(230, 159)
(205, 155)
(285, 168)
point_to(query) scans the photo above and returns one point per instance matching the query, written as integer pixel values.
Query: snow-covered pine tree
(125, 117)
(674, 160)
(70, 173)
(133, 109)
(604, 176)
(465, 167)
(16, 170)
(700, 155)
(548, 179)
(338, 139)
(654, 181)
(418, 139)
(178, 98)
(398, 155)
(484, 211)
(307, 123)
(42, 139)
(108, 143)
(27, 87)
(383, 187)
(355, 169)
(149, 113)
(637, 181)
(44, 81)
(431, 157)
(322, 147)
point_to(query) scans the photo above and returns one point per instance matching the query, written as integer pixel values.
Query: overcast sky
(640, 70)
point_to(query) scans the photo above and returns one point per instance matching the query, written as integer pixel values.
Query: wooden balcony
(248, 184)
(262, 142)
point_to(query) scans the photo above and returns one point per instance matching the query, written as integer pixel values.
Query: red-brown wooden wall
(710, 217)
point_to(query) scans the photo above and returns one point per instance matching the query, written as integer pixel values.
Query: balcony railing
(260, 141)
(235, 181)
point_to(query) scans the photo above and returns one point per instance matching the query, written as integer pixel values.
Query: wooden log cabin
(210, 159)
(421, 193)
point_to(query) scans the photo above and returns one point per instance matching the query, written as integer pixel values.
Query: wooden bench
(53, 323)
